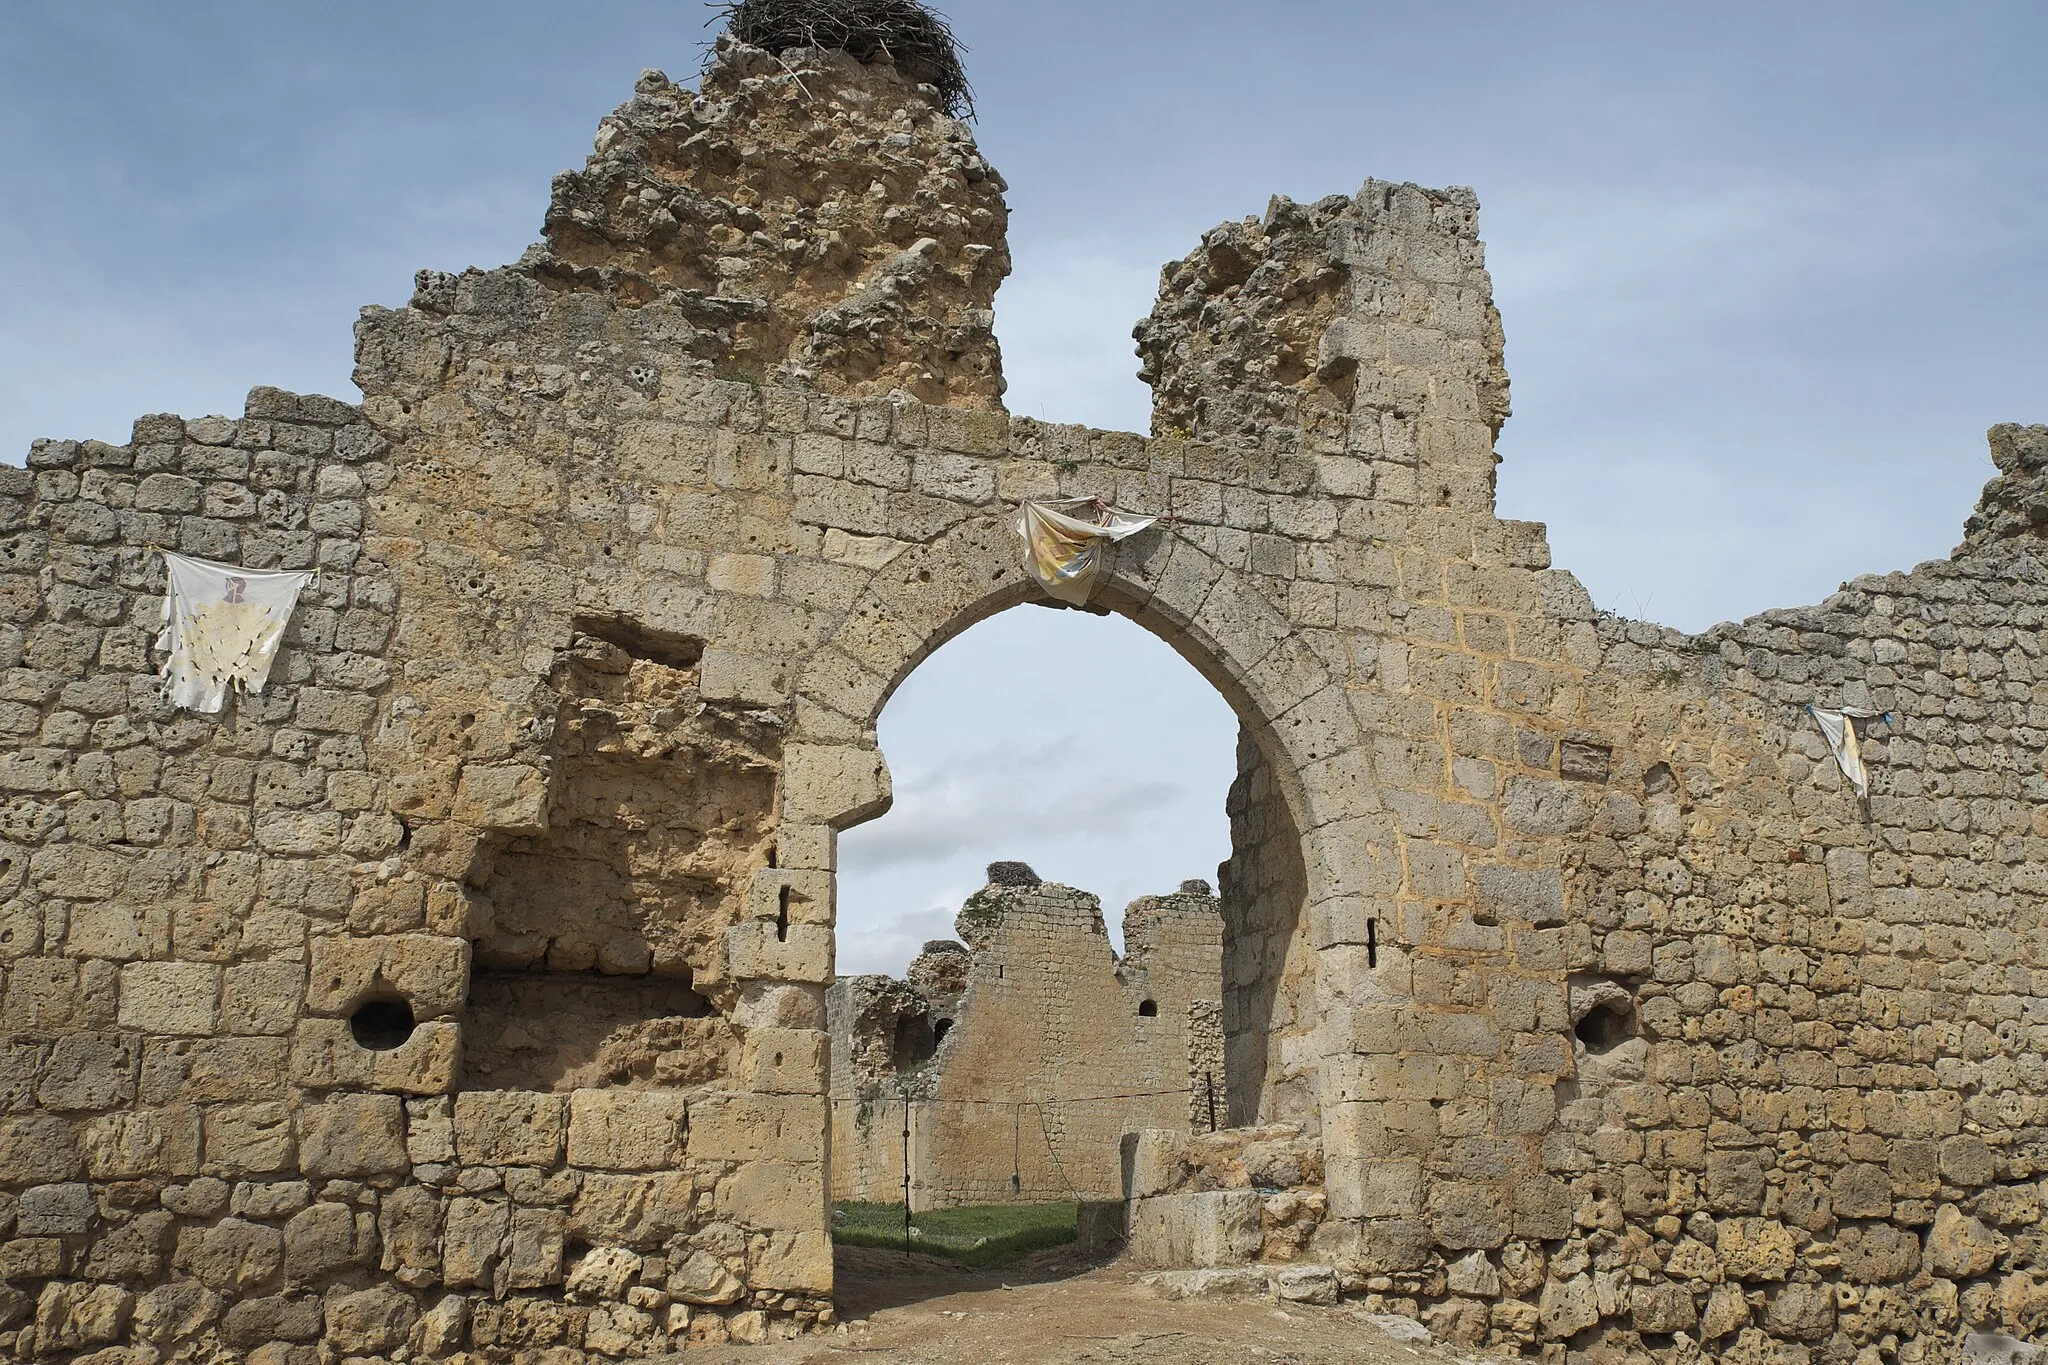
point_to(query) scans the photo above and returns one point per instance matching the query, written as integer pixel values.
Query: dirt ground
(1057, 1310)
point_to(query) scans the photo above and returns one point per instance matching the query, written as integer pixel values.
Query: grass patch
(980, 1235)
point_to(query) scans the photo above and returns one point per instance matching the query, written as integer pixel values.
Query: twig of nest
(913, 36)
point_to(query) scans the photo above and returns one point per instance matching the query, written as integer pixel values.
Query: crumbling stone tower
(464, 991)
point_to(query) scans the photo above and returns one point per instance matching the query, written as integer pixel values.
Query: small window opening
(1148, 1009)
(382, 1024)
(782, 915)
(1606, 1025)
(940, 1030)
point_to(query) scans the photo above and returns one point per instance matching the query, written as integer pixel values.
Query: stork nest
(913, 36)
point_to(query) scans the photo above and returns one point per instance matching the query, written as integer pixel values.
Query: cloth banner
(222, 627)
(1839, 729)
(1065, 553)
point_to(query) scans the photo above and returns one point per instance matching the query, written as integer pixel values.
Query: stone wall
(1269, 1013)
(1037, 1053)
(1623, 1026)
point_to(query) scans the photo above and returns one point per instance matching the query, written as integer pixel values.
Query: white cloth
(1839, 729)
(222, 627)
(1065, 554)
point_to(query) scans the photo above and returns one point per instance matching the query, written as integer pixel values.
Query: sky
(1767, 273)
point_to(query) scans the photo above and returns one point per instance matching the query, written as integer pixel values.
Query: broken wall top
(808, 219)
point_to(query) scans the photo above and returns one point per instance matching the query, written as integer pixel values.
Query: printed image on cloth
(222, 627)
(1066, 553)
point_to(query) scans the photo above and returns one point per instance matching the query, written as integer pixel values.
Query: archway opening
(1039, 903)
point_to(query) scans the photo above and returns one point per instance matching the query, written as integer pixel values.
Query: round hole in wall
(1148, 1009)
(382, 1023)
(939, 1031)
(1605, 1025)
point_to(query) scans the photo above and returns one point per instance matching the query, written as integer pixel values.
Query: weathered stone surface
(508, 1128)
(353, 1135)
(369, 1321)
(1548, 937)
(1959, 1246)
(626, 1130)
(1038, 1006)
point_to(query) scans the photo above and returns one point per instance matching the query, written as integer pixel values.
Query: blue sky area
(1767, 272)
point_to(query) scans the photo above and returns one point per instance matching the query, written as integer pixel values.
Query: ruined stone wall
(1676, 1043)
(1269, 1013)
(1629, 1030)
(1054, 1050)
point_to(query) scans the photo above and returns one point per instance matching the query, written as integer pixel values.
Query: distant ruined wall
(1054, 1051)
(1625, 1029)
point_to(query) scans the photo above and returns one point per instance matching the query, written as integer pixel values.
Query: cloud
(887, 946)
(1057, 790)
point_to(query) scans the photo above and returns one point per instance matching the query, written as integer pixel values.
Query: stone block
(1516, 895)
(249, 1139)
(784, 895)
(36, 1148)
(78, 1317)
(262, 997)
(353, 1135)
(626, 1130)
(533, 1248)
(509, 797)
(1160, 1234)
(409, 1233)
(1222, 1282)
(369, 1322)
(86, 1071)
(701, 1278)
(1297, 1283)
(170, 997)
(473, 1241)
(1155, 1162)
(631, 1209)
(1223, 1226)
(508, 1128)
(779, 1194)
(138, 1144)
(1465, 1214)
(755, 951)
(1959, 1246)
(1861, 1190)
(793, 1263)
(65, 1210)
(1373, 1189)
(840, 785)
(729, 675)
(784, 1061)
(232, 1256)
(324, 1239)
(737, 1127)
(429, 971)
(1756, 1249)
